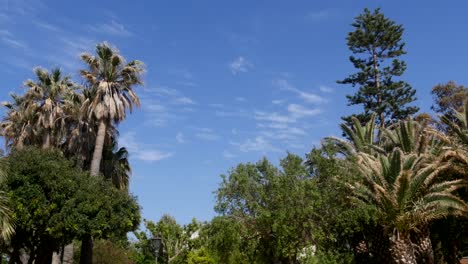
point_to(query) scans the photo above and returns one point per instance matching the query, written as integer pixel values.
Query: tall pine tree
(376, 44)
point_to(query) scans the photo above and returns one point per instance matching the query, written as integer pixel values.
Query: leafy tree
(54, 203)
(448, 97)
(108, 252)
(177, 241)
(200, 256)
(377, 44)
(275, 207)
(225, 239)
(347, 229)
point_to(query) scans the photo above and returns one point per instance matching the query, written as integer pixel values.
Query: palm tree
(6, 219)
(459, 136)
(18, 126)
(361, 138)
(113, 80)
(408, 195)
(48, 93)
(412, 137)
(115, 165)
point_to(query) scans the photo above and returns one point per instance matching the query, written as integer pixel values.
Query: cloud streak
(140, 151)
(307, 97)
(258, 144)
(239, 65)
(112, 28)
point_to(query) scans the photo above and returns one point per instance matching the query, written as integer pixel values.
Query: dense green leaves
(54, 203)
(274, 206)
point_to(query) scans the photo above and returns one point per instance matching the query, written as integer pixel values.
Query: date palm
(408, 194)
(412, 137)
(361, 138)
(48, 92)
(114, 80)
(459, 137)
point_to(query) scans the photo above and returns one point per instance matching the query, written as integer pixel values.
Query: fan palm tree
(18, 126)
(113, 80)
(48, 93)
(407, 193)
(115, 165)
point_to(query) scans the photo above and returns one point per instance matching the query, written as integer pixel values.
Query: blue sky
(226, 81)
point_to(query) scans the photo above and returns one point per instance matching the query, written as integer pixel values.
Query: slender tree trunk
(44, 257)
(46, 140)
(20, 143)
(97, 155)
(86, 256)
(379, 92)
(401, 250)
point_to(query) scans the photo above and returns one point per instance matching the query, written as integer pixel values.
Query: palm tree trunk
(46, 140)
(401, 250)
(423, 246)
(97, 155)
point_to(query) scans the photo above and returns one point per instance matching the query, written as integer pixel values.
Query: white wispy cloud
(170, 95)
(240, 99)
(300, 111)
(180, 138)
(240, 64)
(326, 89)
(205, 133)
(15, 43)
(163, 105)
(140, 151)
(308, 97)
(216, 105)
(208, 136)
(274, 117)
(259, 144)
(278, 102)
(46, 26)
(184, 101)
(67, 49)
(111, 28)
(228, 155)
(231, 113)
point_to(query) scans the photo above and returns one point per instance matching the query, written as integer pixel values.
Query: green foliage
(275, 207)
(53, 203)
(329, 257)
(225, 237)
(448, 97)
(177, 241)
(200, 256)
(108, 252)
(377, 44)
(340, 221)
